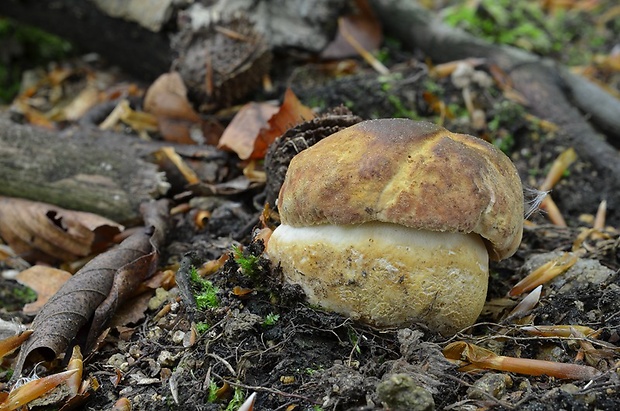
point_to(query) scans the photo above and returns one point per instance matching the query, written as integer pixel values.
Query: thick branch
(84, 171)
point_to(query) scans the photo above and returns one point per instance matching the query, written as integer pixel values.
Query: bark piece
(87, 301)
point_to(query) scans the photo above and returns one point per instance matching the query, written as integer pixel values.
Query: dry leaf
(10, 344)
(84, 101)
(88, 300)
(178, 121)
(32, 390)
(249, 136)
(45, 281)
(471, 357)
(292, 112)
(363, 26)
(240, 135)
(175, 167)
(39, 231)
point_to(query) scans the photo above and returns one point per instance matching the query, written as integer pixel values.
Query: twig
(266, 389)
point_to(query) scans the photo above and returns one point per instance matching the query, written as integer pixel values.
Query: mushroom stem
(386, 274)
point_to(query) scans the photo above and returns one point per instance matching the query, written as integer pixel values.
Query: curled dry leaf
(88, 300)
(176, 117)
(39, 231)
(45, 281)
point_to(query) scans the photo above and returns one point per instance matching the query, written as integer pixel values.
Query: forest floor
(261, 336)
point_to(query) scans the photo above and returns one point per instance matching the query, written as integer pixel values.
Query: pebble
(401, 393)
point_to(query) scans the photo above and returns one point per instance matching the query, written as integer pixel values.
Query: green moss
(247, 262)
(212, 397)
(25, 48)
(236, 401)
(521, 24)
(25, 294)
(571, 35)
(206, 292)
(202, 327)
(399, 108)
(271, 319)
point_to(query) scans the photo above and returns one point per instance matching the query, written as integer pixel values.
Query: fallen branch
(549, 88)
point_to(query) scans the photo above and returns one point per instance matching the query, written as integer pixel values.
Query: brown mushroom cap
(415, 174)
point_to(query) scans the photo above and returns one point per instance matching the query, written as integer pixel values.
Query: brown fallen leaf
(88, 300)
(249, 135)
(363, 26)
(241, 133)
(292, 112)
(178, 122)
(39, 231)
(45, 281)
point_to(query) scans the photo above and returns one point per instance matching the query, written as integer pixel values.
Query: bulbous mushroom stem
(385, 274)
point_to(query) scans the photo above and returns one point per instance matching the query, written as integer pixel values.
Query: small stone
(116, 360)
(135, 351)
(158, 299)
(491, 384)
(166, 358)
(400, 393)
(178, 336)
(154, 334)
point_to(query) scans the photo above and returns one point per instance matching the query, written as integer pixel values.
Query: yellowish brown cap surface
(415, 174)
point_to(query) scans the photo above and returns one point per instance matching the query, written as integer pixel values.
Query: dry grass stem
(470, 357)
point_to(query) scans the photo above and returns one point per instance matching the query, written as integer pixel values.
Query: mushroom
(393, 221)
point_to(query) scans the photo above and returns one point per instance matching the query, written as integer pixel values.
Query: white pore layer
(385, 274)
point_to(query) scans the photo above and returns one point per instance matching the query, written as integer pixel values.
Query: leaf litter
(84, 305)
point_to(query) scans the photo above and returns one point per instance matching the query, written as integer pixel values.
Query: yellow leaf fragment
(33, 390)
(544, 273)
(122, 404)
(74, 382)
(559, 166)
(8, 345)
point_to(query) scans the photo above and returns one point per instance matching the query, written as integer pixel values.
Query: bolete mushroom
(393, 221)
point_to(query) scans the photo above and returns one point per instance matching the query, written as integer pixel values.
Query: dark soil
(308, 359)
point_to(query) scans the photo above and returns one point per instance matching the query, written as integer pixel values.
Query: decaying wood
(135, 34)
(88, 171)
(549, 88)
